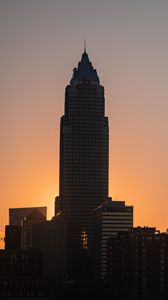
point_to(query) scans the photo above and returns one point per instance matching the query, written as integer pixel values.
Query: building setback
(110, 218)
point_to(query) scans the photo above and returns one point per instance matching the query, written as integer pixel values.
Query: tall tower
(84, 143)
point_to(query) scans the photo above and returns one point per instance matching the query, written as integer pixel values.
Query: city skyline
(33, 97)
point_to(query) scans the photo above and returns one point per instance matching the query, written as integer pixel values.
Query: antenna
(84, 44)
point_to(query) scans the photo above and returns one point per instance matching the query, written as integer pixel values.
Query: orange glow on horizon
(38, 55)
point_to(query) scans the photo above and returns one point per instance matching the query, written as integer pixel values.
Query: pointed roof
(84, 71)
(35, 215)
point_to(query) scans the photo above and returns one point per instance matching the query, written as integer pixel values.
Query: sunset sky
(127, 42)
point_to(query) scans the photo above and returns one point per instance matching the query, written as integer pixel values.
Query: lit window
(84, 239)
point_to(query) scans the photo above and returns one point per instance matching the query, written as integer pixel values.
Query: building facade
(13, 237)
(21, 263)
(18, 235)
(17, 215)
(61, 246)
(138, 265)
(84, 142)
(109, 219)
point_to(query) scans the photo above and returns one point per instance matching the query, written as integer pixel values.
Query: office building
(84, 142)
(18, 235)
(108, 219)
(138, 265)
(17, 215)
(21, 263)
(13, 237)
(60, 242)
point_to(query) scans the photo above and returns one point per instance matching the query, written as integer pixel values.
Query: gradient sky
(41, 42)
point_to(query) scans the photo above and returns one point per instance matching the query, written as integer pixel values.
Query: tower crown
(84, 71)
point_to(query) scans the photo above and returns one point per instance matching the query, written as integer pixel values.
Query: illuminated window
(84, 239)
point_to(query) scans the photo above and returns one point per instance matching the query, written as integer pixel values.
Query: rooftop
(84, 71)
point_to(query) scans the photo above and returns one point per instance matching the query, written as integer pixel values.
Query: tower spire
(84, 44)
(84, 70)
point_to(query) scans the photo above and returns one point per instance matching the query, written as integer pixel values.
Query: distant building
(109, 218)
(13, 237)
(138, 265)
(34, 217)
(21, 276)
(18, 234)
(27, 287)
(20, 263)
(60, 243)
(17, 215)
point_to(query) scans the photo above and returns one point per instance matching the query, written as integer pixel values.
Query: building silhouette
(73, 245)
(20, 263)
(138, 265)
(18, 215)
(13, 237)
(18, 234)
(109, 219)
(84, 142)
(60, 244)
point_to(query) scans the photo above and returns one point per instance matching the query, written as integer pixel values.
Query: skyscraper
(84, 142)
